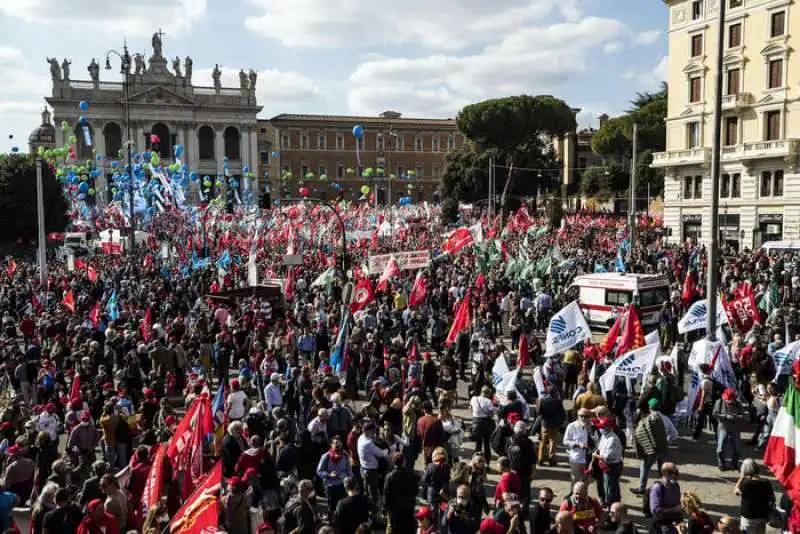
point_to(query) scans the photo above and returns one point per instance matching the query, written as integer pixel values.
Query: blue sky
(419, 57)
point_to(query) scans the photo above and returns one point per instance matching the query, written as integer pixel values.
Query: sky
(422, 58)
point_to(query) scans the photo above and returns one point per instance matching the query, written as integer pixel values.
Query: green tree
(513, 126)
(18, 199)
(614, 139)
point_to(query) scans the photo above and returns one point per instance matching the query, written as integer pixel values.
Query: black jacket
(551, 410)
(231, 450)
(353, 511)
(400, 489)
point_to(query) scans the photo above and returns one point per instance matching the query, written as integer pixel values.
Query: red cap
(85, 416)
(490, 526)
(14, 449)
(170, 420)
(424, 513)
(147, 392)
(93, 504)
(604, 422)
(234, 383)
(235, 481)
(729, 395)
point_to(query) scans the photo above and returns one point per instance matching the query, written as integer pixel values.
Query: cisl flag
(567, 328)
(697, 316)
(631, 365)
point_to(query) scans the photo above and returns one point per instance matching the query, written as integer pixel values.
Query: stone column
(219, 146)
(255, 160)
(194, 147)
(180, 139)
(59, 134)
(99, 142)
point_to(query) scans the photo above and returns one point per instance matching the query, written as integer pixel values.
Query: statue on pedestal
(243, 83)
(138, 59)
(55, 69)
(216, 75)
(176, 66)
(65, 68)
(94, 71)
(253, 75)
(157, 44)
(187, 71)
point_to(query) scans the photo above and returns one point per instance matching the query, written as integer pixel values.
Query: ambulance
(602, 296)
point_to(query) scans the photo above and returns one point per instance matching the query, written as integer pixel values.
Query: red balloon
(155, 139)
(293, 213)
(304, 191)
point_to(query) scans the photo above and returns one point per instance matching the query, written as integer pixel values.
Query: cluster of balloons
(405, 201)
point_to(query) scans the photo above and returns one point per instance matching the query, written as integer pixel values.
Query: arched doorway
(205, 138)
(83, 151)
(232, 150)
(112, 135)
(162, 131)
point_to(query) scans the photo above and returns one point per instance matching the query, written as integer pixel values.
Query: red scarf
(335, 456)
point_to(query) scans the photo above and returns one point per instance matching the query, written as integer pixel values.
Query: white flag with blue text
(631, 365)
(696, 316)
(567, 328)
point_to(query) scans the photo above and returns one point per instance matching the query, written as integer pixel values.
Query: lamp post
(125, 70)
(40, 217)
(343, 246)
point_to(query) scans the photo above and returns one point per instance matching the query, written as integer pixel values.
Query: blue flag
(224, 260)
(113, 306)
(340, 350)
(218, 405)
(619, 263)
(600, 268)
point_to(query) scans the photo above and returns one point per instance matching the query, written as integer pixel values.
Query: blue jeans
(646, 465)
(611, 483)
(733, 437)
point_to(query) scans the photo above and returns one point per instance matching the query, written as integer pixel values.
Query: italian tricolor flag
(783, 449)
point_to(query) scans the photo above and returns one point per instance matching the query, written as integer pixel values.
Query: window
(436, 171)
(401, 170)
(688, 187)
(735, 35)
(303, 142)
(693, 135)
(400, 143)
(725, 186)
(618, 298)
(772, 125)
(766, 183)
(732, 4)
(435, 143)
(731, 130)
(697, 45)
(775, 74)
(777, 184)
(697, 9)
(339, 141)
(736, 185)
(654, 297)
(695, 89)
(418, 146)
(380, 143)
(777, 26)
(321, 142)
(303, 171)
(733, 82)
(322, 171)
(420, 171)
(285, 144)
(340, 171)
(264, 157)
(451, 142)
(698, 187)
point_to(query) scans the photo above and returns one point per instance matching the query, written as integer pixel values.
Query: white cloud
(20, 103)
(531, 60)
(128, 17)
(647, 37)
(614, 47)
(451, 25)
(273, 87)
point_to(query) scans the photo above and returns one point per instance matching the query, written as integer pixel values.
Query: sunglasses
(541, 499)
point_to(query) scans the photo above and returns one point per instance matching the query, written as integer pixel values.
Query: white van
(600, 293)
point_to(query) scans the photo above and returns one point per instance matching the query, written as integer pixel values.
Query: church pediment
(158, 94)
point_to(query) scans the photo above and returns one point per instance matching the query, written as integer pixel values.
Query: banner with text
(414, 259)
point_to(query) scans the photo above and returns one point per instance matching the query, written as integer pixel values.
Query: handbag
(775, 519)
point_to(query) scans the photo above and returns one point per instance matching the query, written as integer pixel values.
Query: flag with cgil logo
(567, 328)
(696, 317)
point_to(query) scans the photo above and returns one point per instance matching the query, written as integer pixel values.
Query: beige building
(759, 181)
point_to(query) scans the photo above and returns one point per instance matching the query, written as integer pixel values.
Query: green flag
(771, 299)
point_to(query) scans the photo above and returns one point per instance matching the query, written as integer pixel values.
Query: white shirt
(610, 448)
(273, 395)
(47, 422)
(481, 407)
(236, 404)
(575, 435)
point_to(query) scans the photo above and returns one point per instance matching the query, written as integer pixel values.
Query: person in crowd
(355, 509)
(400, 488)
(609, 457)
(586, 511)
(576, 440)
(757, 498)
(333, 469)
(541, 517)
(652, 445)
(697, 519)
(730, 414)
(553, 416)
(665, 500)
(483, 411)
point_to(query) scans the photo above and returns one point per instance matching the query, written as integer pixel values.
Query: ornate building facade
(212, 123)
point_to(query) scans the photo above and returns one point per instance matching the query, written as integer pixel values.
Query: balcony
(737, 101)
(691, 156)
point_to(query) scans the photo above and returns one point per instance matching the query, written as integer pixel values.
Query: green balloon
(154, 159)
(72, 139)
(91, 190)
(323, 177)
(350, 172)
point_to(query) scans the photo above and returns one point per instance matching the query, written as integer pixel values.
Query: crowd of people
(329, 417)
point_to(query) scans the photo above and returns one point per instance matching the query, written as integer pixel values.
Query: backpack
(122, 431)
(646, 511)
(498, 440)
(514, 454)
(288, 521)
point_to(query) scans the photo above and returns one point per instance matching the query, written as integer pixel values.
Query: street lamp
(324, 204)
(125, 70)
(40, 217)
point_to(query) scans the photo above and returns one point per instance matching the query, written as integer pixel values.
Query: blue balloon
(178, 150)
(193, 176)
(84, 105)
(82, 120)
(15, 149)
(225, 159)
(246, 168)
(276, 154)
(358, 131)
(84, 187)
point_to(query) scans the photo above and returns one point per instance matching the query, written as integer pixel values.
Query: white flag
(252, 271)
(696, 317)
(785, 357)
(504, 384)
(715, 354)
(567, 328)
(631, 365)
(477, 233)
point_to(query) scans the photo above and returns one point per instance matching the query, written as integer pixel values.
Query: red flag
(480, 281)
(69, 301)
(633, 334)
(148, 259)
(391, 270)
(80, 264)
(12, 267)
(362, 295)
(94, 315)
(743, 289)
(154, 484)
(91, 273)
(742, 312)
(194, 470)
(386, 359)
(461, 321)
(413, 354)
(288, 289)
(200, 513)
(147, 324)
(524, 356)
(688, 294)
(181, 440)
(75, 388)
(418, 292)
(457, 240)
(611, 337)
